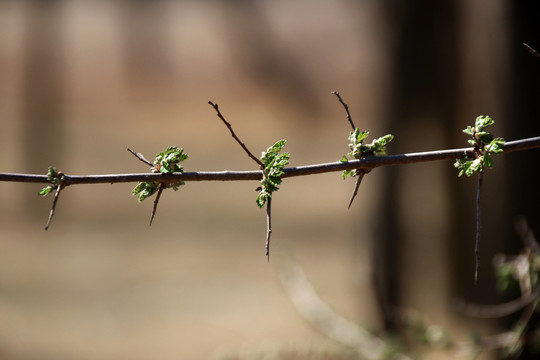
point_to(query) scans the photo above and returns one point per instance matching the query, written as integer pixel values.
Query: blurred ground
(101, 284)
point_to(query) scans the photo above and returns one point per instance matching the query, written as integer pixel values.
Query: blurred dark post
(524, 121)
(42, 94)
(421, 108)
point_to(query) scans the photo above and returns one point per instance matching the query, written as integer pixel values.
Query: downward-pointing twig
(268, 227)
(161, 185)
(51, 213)
(361, 174)
(154, 208)
(478, 225)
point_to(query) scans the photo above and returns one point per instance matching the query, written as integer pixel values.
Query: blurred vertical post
(412, 237)
(42, 94)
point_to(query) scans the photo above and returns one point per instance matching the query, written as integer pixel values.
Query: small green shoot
(359, 150)
(274, 163)
(166, 162)
(54, 177)
(485, 146)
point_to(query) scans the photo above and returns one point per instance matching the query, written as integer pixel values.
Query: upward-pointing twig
(215, 106)
(140, 157)
(346, 109)
(532, 51)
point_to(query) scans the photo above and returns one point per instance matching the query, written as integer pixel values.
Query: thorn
(268, 228)
(53, 207)
(154, 209)
(357, 186)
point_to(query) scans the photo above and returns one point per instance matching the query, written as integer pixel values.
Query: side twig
(161, 184)
(215, 106)
(478, 224)
(268, 227)
(361, 174)
(262, 167)
(532, 51)
(59, 188)
(346, 109)
(156, 200)
(140, 157)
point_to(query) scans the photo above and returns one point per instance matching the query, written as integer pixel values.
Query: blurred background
(82, 80)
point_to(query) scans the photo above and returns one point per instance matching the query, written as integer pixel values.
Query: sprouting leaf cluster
(274, 163)
(55, 178)
(485, 146)
(166, 162)
(359, 150)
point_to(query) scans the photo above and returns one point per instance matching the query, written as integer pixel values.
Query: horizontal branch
(367, 164)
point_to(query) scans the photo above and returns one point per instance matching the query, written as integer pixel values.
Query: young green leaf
(359, 150)
(166, 162)
(274, 163)
(54, 177)
(486, 146)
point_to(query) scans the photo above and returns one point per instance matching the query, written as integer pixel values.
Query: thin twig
(478, 224)
(346, 109)
(357, 185)
(140, 157)
(495, 311)
(227, 175)
(53, 207)
(156, 200)
(268, 227)
(532, 51)
(215, 106)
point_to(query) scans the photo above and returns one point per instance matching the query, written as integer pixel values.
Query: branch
(227, 175)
